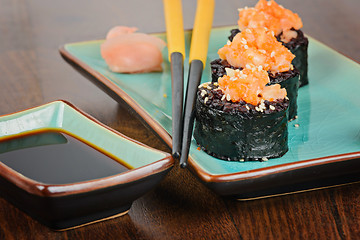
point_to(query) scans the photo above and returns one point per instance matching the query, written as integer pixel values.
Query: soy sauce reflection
(57, 158)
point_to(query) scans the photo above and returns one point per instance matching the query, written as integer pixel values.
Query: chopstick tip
(183, 165)
(176, 155)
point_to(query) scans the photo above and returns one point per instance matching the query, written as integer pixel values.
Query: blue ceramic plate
(324, 142)
(66, 197)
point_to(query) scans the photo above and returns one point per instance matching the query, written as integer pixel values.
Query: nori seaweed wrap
(288, 80)
(238, 131)
(298, 46)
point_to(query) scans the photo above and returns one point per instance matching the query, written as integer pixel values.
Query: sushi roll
(258, 46)
(286, 26)
(241, 118)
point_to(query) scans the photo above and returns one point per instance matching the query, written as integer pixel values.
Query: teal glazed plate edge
(70, 205)
(324, 141)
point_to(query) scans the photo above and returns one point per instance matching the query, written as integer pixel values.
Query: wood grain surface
(32, 72)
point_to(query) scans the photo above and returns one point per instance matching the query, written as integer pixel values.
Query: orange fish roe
(258, 47)
(273, 16)
(249, 85)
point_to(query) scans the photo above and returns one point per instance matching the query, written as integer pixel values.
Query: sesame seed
(223, 97)
(248, 30)
(296, 116)
(257, 109)
(296, 125)
(264, 159)
(286, 98)
(242, 160)
(292, 67)
(269, 3)
(203, 93)
(266, 28)
(248, 66)
(272, 54)
(272, 107)
(230, 72)
(205, 100)
(228, 97)
(262, 51)
(208, 87)
(260, 68)
(243, 40)
(246, 46)
(228, 43)
(216, 83)
(247, 107)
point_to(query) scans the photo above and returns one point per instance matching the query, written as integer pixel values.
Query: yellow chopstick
(174, 27)
(176, 48)
(201, 30)
(198, 55)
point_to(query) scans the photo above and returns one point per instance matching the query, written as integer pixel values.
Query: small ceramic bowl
(68, 204)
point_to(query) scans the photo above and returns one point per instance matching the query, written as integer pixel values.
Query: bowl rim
(56, 190)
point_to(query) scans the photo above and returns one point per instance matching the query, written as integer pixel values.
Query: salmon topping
(259, 47)
(249, 85)
(273, 16)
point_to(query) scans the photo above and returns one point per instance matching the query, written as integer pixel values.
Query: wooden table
(32, 73)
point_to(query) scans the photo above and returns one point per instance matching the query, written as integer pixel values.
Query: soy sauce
(53, 157)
